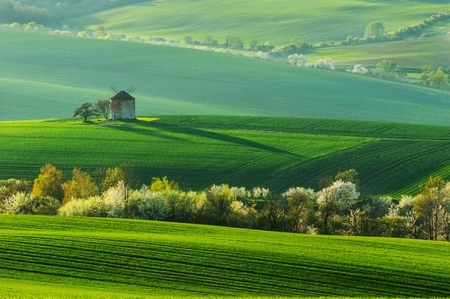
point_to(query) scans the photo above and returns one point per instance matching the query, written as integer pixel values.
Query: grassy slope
(245, 151)
(46, 76)
(93, 257)
(268, 20)
(408, 53)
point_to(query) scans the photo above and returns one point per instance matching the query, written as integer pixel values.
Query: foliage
(48, 183)
(335, 200)
(81, 186)
(435, 77)
(326, 64)
(102, 106)
(297, 60)
(359, 69)
(91, 207)
(113, 175)
(26, 203)
(374, 30)
(163, 185)
(86, 111)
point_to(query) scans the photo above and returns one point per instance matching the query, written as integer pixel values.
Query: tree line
(338, 208)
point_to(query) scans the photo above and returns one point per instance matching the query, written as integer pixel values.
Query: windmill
(122, 104)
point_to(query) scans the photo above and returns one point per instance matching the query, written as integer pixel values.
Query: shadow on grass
(141, 127)
(219, 137)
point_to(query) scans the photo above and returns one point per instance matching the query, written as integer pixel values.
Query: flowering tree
(326, 64)
(297, 60)
(359, 69)
(335, 199)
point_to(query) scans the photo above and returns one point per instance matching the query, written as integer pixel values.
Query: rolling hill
(49, 76)
(91, 258)
(277, 22)
(198, 151)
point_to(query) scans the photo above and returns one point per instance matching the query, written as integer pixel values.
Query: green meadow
(278, 22)
(42, 257)
(198, 151)
(49, 76)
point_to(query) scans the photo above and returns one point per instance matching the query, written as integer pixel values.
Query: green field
(43, 257)
(199, 151)
(277, 22)
(412, 53)
(49, 76)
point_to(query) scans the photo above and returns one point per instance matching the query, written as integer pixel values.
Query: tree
(326, 64)
(86, 111)
(113, 175)
(299, 205)
(48, 183)
(435, 77)
(81, 186)
(374, 30)
(349, 175)
(103, 107)
(335, 199)
(163, 185)
(219, 199)
(386, 68)
(430, 207)
(359, 69)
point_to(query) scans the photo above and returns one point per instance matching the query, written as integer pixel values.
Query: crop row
(218, 261)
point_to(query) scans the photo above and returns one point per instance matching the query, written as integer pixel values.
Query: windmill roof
(122, 96)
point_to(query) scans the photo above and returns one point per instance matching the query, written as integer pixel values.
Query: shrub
(91, 207)
(25, 203)
(145, 204)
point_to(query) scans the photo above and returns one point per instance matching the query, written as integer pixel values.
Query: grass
(48, 77)
(411, 53)
(198, 151)
(277, 22)
(135, 259)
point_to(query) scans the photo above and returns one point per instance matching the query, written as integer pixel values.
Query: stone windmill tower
(122, 105)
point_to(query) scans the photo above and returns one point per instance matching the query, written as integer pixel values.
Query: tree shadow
(139, 128)
(219, 137)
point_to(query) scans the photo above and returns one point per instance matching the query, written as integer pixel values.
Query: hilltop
(48, 76)
(277, 22)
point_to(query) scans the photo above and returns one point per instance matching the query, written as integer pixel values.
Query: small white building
(122, 106)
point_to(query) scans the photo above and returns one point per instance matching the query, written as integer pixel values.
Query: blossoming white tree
(335, 199)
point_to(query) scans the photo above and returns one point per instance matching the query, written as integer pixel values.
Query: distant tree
(334, 200)
(297, 59)
(430, 206)
(374, 30)
(218, 207)
(299, 206)
(435, 77)
(349, 175)
(113, 175)
(326, 64)
(86, 111)
(359, 69)
(80, 186)
(273, 213)
(48, 183)
(386, 68)
(163, 185)
(103, 107)
(188, 40)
